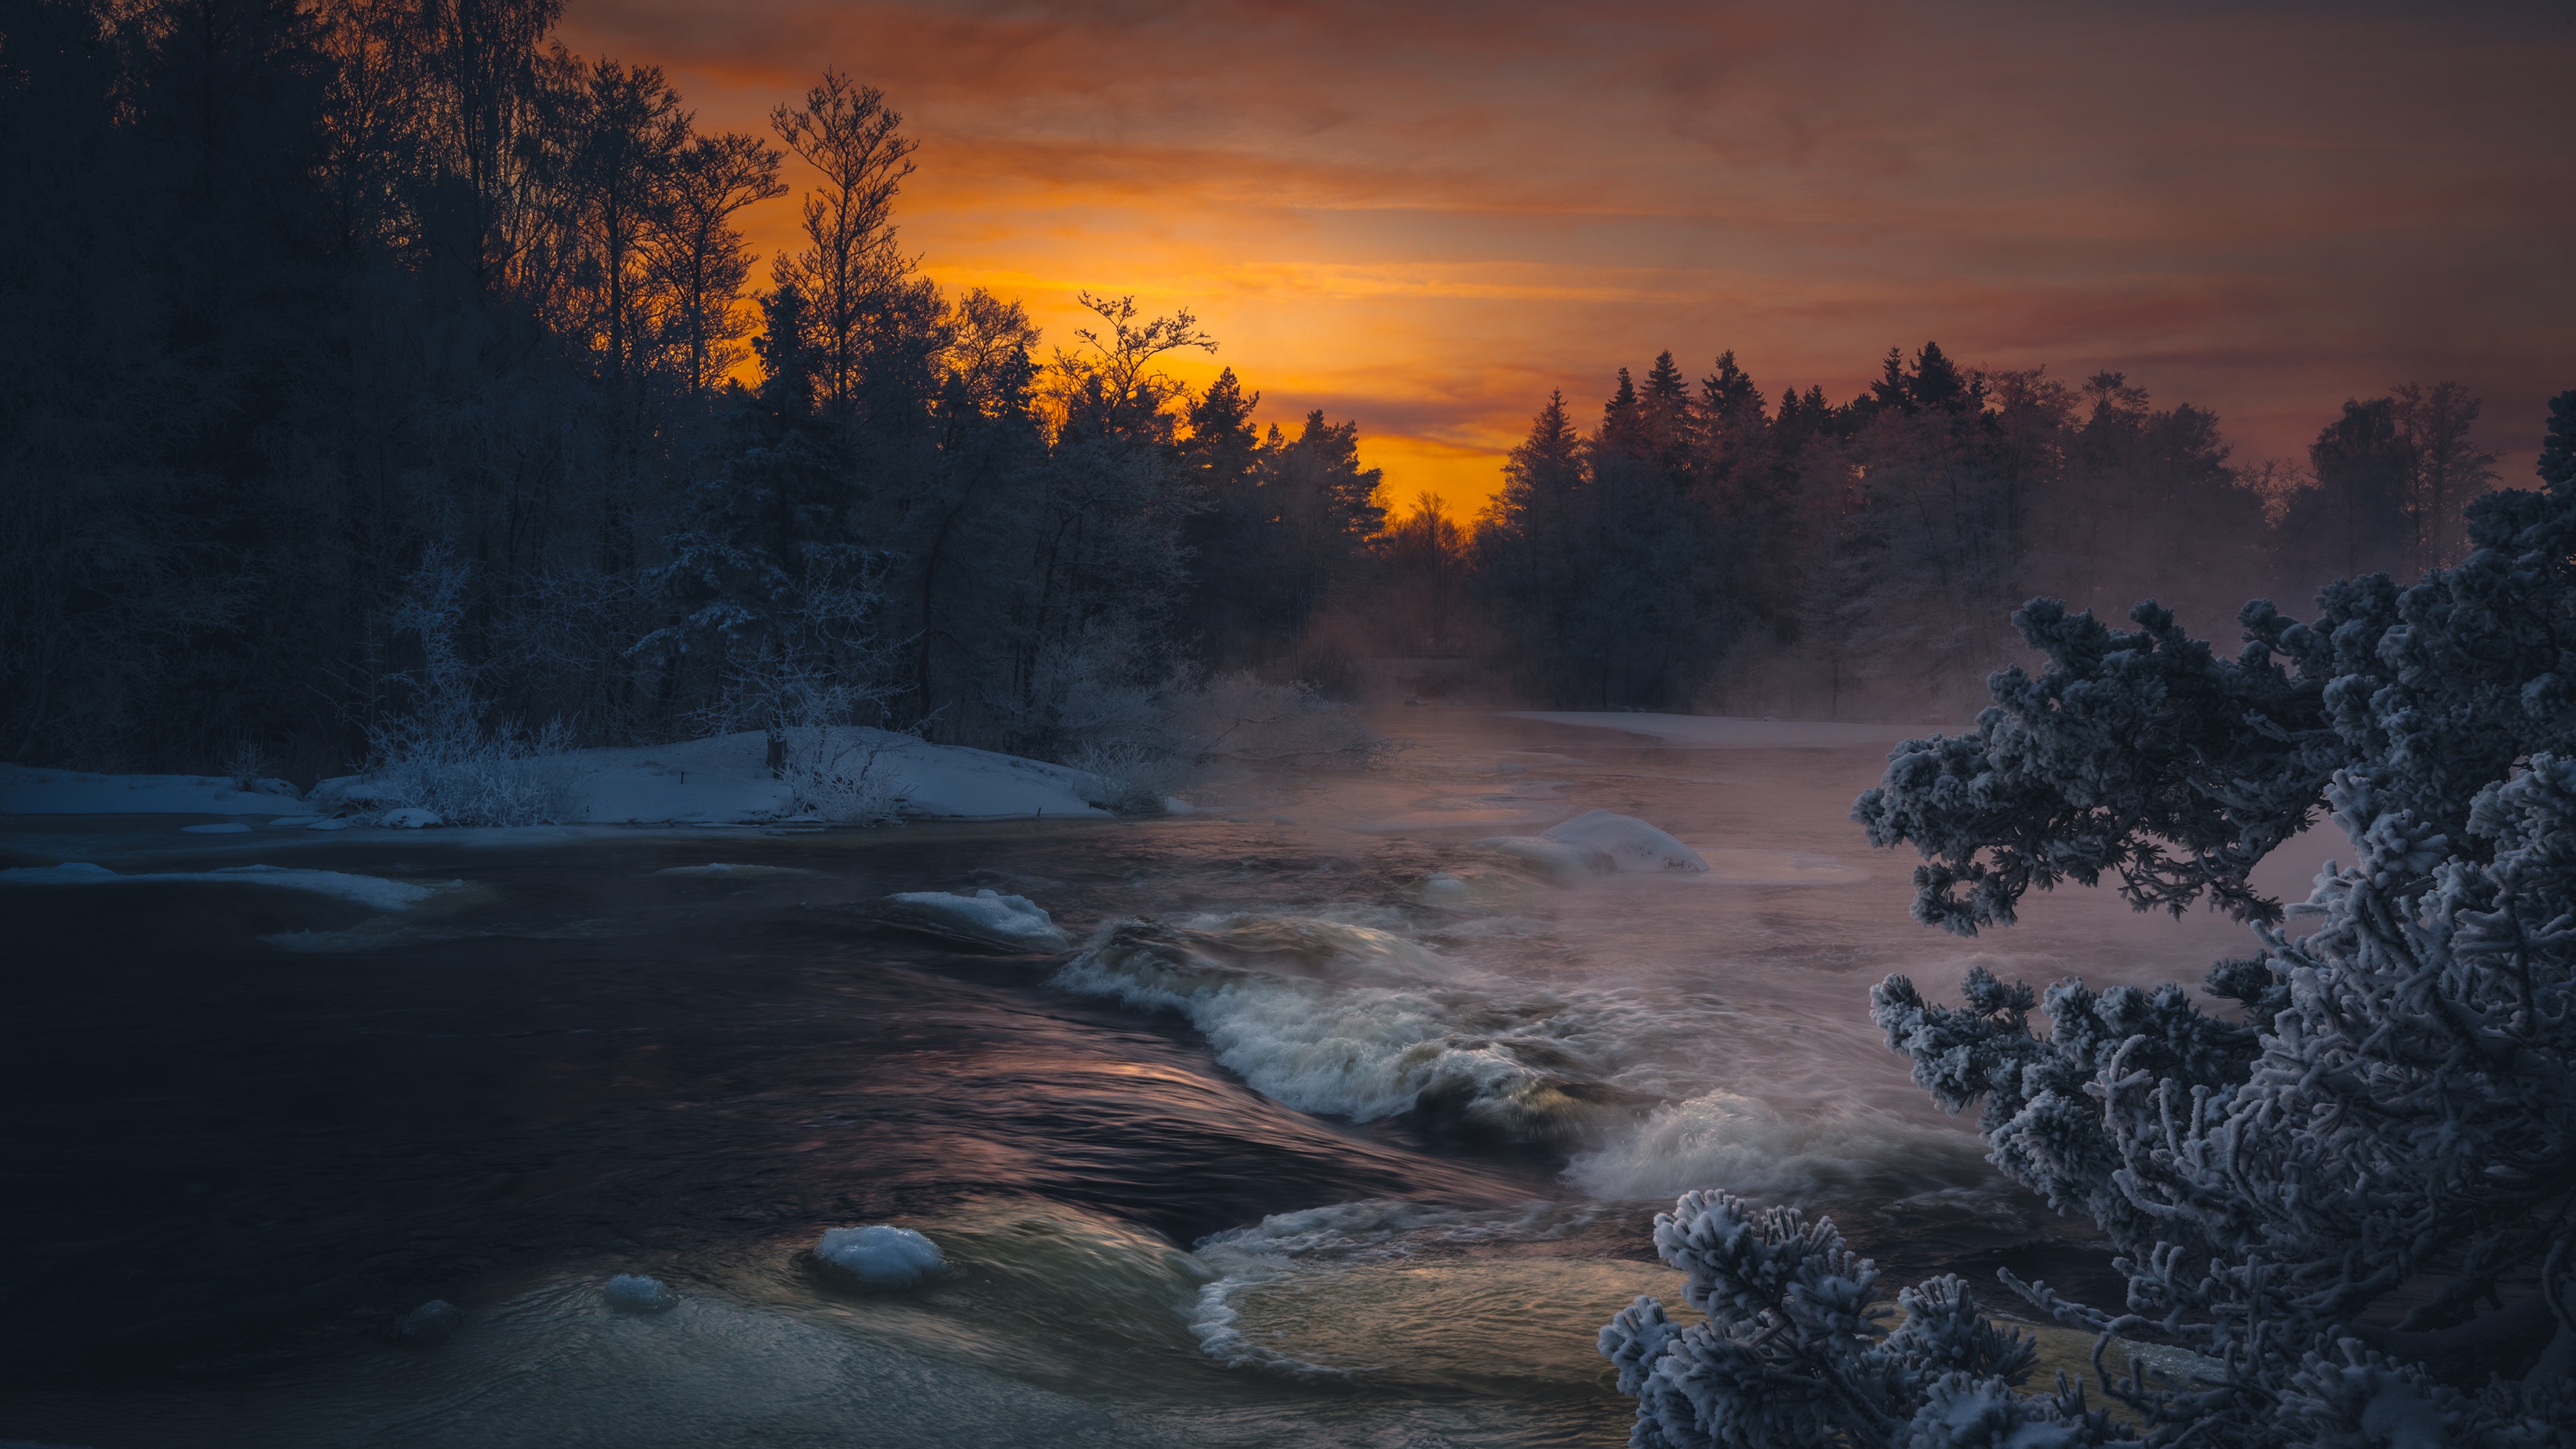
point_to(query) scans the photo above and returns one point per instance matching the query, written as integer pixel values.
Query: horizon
(1410, 226)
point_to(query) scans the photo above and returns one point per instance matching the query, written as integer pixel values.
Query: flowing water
(1339, 1128)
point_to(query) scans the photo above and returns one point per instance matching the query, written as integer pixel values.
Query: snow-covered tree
(2354, 1193)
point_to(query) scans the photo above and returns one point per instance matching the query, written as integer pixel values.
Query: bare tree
(850, 271)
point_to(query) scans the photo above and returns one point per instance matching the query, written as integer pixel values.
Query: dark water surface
(249, 1127)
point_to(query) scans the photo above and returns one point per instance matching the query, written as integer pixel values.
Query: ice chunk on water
(635, 1293)
(880, 1256)
(1630, 843)
(431, 1322)
(374, 892)
(985, 916)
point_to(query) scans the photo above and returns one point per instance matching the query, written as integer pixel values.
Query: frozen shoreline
(723, 780)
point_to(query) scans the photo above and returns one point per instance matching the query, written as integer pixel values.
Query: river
(1346, 1131)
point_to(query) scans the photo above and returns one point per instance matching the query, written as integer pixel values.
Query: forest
(366, 361)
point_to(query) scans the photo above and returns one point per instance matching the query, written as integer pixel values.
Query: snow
(985, 916)
(721, 780)
(1630, 843)
(880, 1256)
(635, 1293)
(1599, 842)
(726, 779)
(374, 892)
(412, 818)
(431, 1322)
(25, 791)
(1722, 732)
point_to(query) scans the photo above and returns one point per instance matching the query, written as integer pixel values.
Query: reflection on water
(1341, 1128)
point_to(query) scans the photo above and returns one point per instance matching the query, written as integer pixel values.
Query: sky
(1425, 217)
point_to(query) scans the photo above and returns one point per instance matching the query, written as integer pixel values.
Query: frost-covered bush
(1795, 1349)
(2354, 1193)
(843, 774)
(445, 754)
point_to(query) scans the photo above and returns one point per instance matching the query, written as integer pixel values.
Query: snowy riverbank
(724, 780)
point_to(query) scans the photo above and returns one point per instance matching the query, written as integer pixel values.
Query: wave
(1748, 1146)
(1354, 1021)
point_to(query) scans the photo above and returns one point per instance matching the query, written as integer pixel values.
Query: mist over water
(1339, 1126)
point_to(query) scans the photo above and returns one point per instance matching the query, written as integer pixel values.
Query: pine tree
(2349, 1195)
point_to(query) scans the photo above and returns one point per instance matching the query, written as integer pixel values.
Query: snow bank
(722, 780)
(725, 780)
(635, 1293)
(984, 916)
(1720, 732)
(880, 1256)
(1598, 842)
(25, 791)
(373, 892)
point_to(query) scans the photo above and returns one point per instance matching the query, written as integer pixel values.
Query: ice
(410, 817)
(374, 892)
(635, 1293)
(985, 916)
(432, 1322)
(880, 1256)
(728, 868)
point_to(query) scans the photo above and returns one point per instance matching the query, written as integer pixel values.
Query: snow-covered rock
(1013, 921)
(1560, 860)
(432, 1322)
(410, 817)
(880, 1256)
(635, 1293)
(1599, 842)
(1630, 843)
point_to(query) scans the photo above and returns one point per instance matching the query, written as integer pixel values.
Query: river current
(1339, 1128)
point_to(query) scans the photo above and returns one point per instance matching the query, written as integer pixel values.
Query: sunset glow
(1426, 219)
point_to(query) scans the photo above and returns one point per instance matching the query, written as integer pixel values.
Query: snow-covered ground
(723, 780)
(1721, 732)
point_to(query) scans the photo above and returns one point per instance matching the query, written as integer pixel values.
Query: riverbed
(1338, 1128)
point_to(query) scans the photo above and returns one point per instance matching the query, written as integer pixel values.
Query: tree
(699, 256)
(850, 273)
(2350, 1195)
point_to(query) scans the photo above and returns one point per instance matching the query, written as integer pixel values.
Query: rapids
(1334, 1126)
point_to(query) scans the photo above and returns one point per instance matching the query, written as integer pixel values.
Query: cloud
(1424, 216)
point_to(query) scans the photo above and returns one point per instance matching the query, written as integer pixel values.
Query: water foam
(1347, 1020)
(1748, 1146)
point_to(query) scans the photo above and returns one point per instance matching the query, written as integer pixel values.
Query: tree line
(365, 361)
(1705, 547)
(362, 357)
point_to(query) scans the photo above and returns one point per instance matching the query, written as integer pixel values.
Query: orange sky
(1424, 217)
